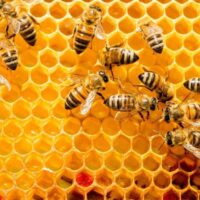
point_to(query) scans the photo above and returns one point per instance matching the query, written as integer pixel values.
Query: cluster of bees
(86, 88)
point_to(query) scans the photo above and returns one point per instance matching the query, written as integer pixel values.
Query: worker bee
(155, 82)
(152, 33)
(22, 24)
(89, 27)
(9, 53)
(193, 85)
(85, 92)
(188, 138)
(132, 103)
(182, 113)
(115, 55)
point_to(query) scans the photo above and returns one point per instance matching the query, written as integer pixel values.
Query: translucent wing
(6, 44)
(85, 107)
(5, 82)
(15, 25)
(195, 151)
(73, 79)
(99, 32)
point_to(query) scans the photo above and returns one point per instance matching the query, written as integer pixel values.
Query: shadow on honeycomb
(49, 153)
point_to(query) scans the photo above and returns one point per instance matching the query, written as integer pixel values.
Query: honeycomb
(49, 153)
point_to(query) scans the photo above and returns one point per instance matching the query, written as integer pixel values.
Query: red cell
(170, 196)
(84, 179)
(1, 198)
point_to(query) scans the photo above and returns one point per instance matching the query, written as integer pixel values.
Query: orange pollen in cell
(84, 179)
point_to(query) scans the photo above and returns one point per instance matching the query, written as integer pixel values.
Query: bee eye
(105, 78)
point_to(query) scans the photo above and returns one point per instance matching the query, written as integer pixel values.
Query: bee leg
(112, 72)
(9, 36)
(181, 124)
(148, 115)
(141, 115)
(98, 93)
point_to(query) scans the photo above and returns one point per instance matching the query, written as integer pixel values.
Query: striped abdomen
(27, 30)
(156, 42)
(194, 138)
(121, 102)
(75, 97)
(82, 38)
(193, 84)
(150, 80)
(193, 111)
(11, 60)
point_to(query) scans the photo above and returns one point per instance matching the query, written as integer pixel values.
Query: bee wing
(195, 151)
(15, 26)
(85, 107)
(72, 79)
(6, 44)
(4, 81)
(99, 32)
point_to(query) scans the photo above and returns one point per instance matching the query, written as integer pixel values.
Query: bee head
(169, 138)
(7, 9)
(92, 15)
(103, 76)
(167, 114)
(154, 103)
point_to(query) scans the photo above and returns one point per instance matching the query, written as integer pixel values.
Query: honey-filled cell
(48, 152)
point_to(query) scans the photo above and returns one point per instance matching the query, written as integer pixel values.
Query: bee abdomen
(74, 98)
(156, 43)
(80, 44)
(128, 56)
(194, 138)
(121, 102)
(149, 79)
(193, 84)
(27, 31)
(11, 60)
(194, 111)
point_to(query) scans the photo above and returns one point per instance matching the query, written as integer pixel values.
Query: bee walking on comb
(154, 82)
(89, 27)
(152, 34)
(132, 103)
(188, 138)
(85, 91)
(116, 56)
(21, 23)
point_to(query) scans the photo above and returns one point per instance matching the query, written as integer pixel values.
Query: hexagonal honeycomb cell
(47, 152)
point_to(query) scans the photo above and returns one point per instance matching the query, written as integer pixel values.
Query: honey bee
(22, 24)
(89, 27)
(188, 138)
(9, 53)
(155, 82)
(181, 113)
(85, 92)
(131, 103)
(152, 33)
(115, 55)
(193, 85)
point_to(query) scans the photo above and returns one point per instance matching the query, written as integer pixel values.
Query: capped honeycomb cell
(155, 10)
(132, 162)
(116, 10)
(112, 161)
(48, 25)
(140, 144)
(76, 9)
(93, 161)
(136, 10)
(38, 10)
(173, 10)
(121, 144)
(25, 181)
